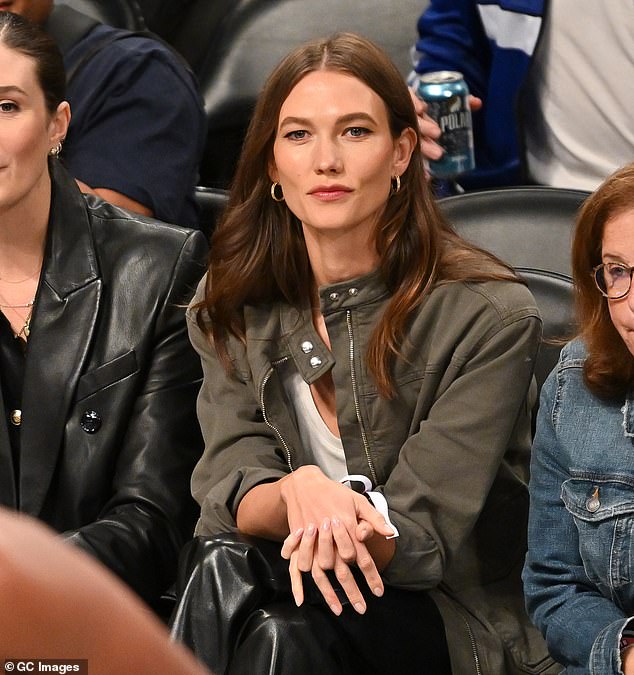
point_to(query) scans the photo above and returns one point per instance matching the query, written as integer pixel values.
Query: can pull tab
(593, 503)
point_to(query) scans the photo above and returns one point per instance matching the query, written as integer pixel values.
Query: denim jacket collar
(573, 355)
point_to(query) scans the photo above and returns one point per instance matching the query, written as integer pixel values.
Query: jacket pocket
(603, 511)
(106, 374)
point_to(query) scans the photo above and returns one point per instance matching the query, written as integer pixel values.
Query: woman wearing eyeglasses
(579, 573)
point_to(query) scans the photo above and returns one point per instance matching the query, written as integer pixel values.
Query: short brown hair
(609, 367)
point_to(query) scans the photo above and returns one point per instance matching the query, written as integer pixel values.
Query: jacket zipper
(474, 648)
(277, 432)
(355, 395)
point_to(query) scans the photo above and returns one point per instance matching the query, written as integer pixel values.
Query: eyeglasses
(613, 279)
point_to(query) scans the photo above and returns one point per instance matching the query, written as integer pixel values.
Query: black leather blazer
(109, 434)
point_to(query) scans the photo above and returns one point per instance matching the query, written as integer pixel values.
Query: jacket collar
(70, 261)
(352, 293)
(63, 323)
(312, 358)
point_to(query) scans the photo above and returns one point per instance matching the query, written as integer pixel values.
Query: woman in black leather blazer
(98, 434)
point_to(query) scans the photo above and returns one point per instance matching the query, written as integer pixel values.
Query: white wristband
(378, 500)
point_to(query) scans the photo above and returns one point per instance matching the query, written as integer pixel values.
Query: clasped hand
(329, 526)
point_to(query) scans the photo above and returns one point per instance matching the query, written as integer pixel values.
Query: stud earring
(55, 150)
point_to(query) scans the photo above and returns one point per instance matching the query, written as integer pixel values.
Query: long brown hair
(258, 253)
(609, 367)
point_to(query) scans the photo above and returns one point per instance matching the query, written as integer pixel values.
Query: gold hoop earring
(274, 187)
(55, 150)
(395, 184)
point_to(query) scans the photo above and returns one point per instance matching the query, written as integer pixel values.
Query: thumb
(374, 518)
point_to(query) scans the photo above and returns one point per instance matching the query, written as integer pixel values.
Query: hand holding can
(447, 97)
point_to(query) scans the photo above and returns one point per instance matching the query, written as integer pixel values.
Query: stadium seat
(211, 203)
(554, 295)
(528, 227)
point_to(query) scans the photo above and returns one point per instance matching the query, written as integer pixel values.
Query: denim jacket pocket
(603, 511)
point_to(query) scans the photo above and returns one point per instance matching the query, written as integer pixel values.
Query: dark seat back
(554, 295)
(529, 227)
(253, 36)
(164, 17)
(117, 13)
(197, 32)
(211, 204)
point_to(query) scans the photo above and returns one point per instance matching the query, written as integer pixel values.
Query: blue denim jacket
(579, 572)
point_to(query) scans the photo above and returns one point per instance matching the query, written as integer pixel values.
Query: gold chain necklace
(24, 305)
(26, 329)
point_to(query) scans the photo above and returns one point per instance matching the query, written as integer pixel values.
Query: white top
(325, 447)
(578, 118)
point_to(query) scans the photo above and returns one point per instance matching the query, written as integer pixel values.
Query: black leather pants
(237, 614)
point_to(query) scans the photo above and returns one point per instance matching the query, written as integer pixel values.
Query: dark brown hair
(21, 35)
(609, 367)
(258, 253)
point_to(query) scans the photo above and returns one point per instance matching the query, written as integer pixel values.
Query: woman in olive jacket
(365, 401)
(98, 380)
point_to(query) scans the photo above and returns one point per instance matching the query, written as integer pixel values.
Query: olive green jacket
(450, 452)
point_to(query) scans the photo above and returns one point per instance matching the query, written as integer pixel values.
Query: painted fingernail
(360, 607)
(378, 592)
(325, 526)
(336, 609)
(336, 522)
(299, 532)
(310, 530)
(298, 602)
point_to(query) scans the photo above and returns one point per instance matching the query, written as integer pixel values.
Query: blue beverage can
(447, 97)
